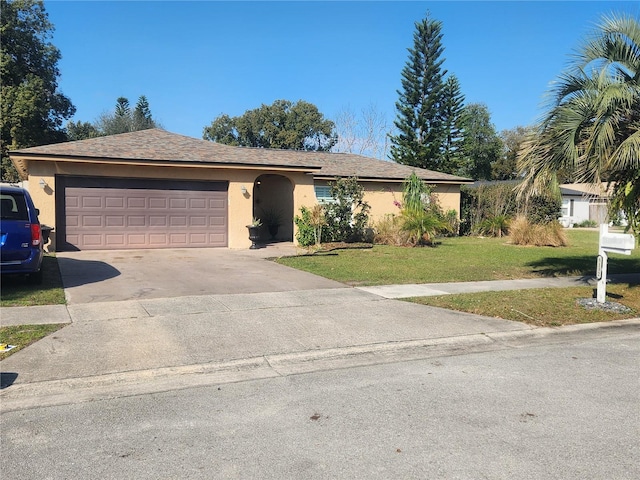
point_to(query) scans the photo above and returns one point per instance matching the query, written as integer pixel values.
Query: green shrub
(306, 235)
(343, 220)
(421, 225)
(348, 215)
(542, 209)
(494, 226)
(586, 224)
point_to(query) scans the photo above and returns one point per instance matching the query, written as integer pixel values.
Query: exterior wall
(449, 197)
(580, 210)
(304, 195)
(382, 195)
(44, 199)
(240, 203)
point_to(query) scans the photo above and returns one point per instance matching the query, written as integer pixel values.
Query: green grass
(16, 291)
(24, 335)
(465, 259)
(462, 259)
(547, 307)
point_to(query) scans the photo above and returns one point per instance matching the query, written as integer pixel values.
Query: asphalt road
(559, 409)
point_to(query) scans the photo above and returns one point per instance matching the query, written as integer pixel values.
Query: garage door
(122, 213)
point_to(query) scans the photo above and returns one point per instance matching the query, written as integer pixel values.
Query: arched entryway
(273, 205)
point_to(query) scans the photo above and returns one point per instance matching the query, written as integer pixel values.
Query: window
(14, 207)
(323, 194)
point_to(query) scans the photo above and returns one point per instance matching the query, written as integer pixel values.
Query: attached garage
(116, 213)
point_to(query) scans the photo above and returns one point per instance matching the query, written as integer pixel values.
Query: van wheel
(35, 278)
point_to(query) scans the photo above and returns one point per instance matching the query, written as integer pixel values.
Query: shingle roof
(161, 146)
(586, 189)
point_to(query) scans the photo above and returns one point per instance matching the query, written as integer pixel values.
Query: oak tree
(284, 124)
(32, 107)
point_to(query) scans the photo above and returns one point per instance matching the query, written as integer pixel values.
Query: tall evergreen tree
(142, 119)
(421, 130)
(452, 108)
(481, 146)
(123, 110)
(32, 107)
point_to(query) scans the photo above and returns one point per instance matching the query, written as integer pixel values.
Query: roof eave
(394, 179)
(19, 157)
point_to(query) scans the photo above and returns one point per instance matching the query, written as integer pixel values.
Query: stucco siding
(381, 197)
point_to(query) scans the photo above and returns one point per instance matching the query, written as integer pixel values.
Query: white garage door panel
(116, 218)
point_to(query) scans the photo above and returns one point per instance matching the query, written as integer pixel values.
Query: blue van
(21, 245)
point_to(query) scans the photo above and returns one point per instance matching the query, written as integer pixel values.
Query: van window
(13, 206)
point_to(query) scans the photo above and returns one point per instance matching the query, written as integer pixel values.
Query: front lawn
(547, 307)
(16, 291)
(462, 259)
(466, 259)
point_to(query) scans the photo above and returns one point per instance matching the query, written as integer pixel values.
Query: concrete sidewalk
(434, 289)
(48, 314)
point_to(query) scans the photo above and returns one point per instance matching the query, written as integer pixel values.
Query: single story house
(157, 189)
(584, 201)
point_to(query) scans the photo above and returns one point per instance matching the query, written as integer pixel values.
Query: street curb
(115, 385)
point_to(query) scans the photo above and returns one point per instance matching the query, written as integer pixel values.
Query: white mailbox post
(610, 243)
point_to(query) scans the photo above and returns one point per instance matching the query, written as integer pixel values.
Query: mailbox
(617, 243)
(610, 243)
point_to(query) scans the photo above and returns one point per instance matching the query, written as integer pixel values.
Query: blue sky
(197, 60)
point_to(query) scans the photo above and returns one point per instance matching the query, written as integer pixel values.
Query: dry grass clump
(388, 231)
(523, 232)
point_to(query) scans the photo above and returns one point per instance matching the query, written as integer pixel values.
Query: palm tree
(592, 124)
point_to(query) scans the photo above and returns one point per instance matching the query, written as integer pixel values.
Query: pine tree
(142, 115)
(421, 130)
(452, 108)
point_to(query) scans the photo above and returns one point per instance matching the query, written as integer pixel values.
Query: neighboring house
(156, 189)
(584, 201)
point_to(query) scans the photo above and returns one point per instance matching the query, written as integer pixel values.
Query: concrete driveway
(117, 275)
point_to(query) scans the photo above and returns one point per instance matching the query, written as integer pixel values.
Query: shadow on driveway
(77, 272)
